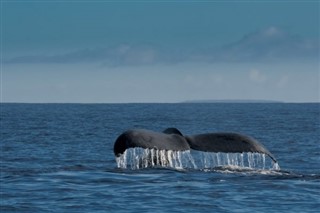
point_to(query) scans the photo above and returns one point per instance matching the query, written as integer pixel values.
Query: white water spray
(137, 158)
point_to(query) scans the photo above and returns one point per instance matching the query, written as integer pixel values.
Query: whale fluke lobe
(149, 139)
(172, 139)
(227, 142)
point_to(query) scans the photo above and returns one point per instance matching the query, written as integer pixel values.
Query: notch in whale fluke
(173, 139)
(172, 130)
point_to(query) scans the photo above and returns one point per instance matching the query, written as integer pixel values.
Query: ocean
(59, 158)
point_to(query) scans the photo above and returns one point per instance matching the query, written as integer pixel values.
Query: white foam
(137, 158)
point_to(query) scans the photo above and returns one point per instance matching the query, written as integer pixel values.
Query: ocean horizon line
(227, 101)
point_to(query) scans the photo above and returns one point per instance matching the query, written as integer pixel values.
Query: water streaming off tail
(136, 158)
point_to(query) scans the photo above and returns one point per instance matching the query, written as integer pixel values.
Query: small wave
(9, 173)
(244, 170)
(273, 174)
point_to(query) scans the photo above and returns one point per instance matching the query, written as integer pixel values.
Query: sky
(159, 51)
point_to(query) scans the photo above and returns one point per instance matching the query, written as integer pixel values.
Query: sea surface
(59, 158)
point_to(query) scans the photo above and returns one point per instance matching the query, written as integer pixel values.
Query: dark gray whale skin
(172, 139)
(149, 139)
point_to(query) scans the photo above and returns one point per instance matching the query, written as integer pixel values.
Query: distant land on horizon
(232, 101)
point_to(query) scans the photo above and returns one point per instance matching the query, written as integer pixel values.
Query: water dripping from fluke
(139, 158)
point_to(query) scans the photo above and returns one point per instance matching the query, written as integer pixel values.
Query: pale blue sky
(159, 51)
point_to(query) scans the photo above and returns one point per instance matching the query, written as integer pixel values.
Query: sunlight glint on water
(137, 158)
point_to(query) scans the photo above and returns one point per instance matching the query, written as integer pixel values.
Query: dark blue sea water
(59, 158)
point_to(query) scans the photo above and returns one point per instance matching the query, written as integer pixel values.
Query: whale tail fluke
(172, 139)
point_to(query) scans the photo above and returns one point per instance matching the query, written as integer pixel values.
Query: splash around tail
(139, 158)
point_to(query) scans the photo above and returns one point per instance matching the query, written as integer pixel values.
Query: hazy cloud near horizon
(171, 51)
(271, 44)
